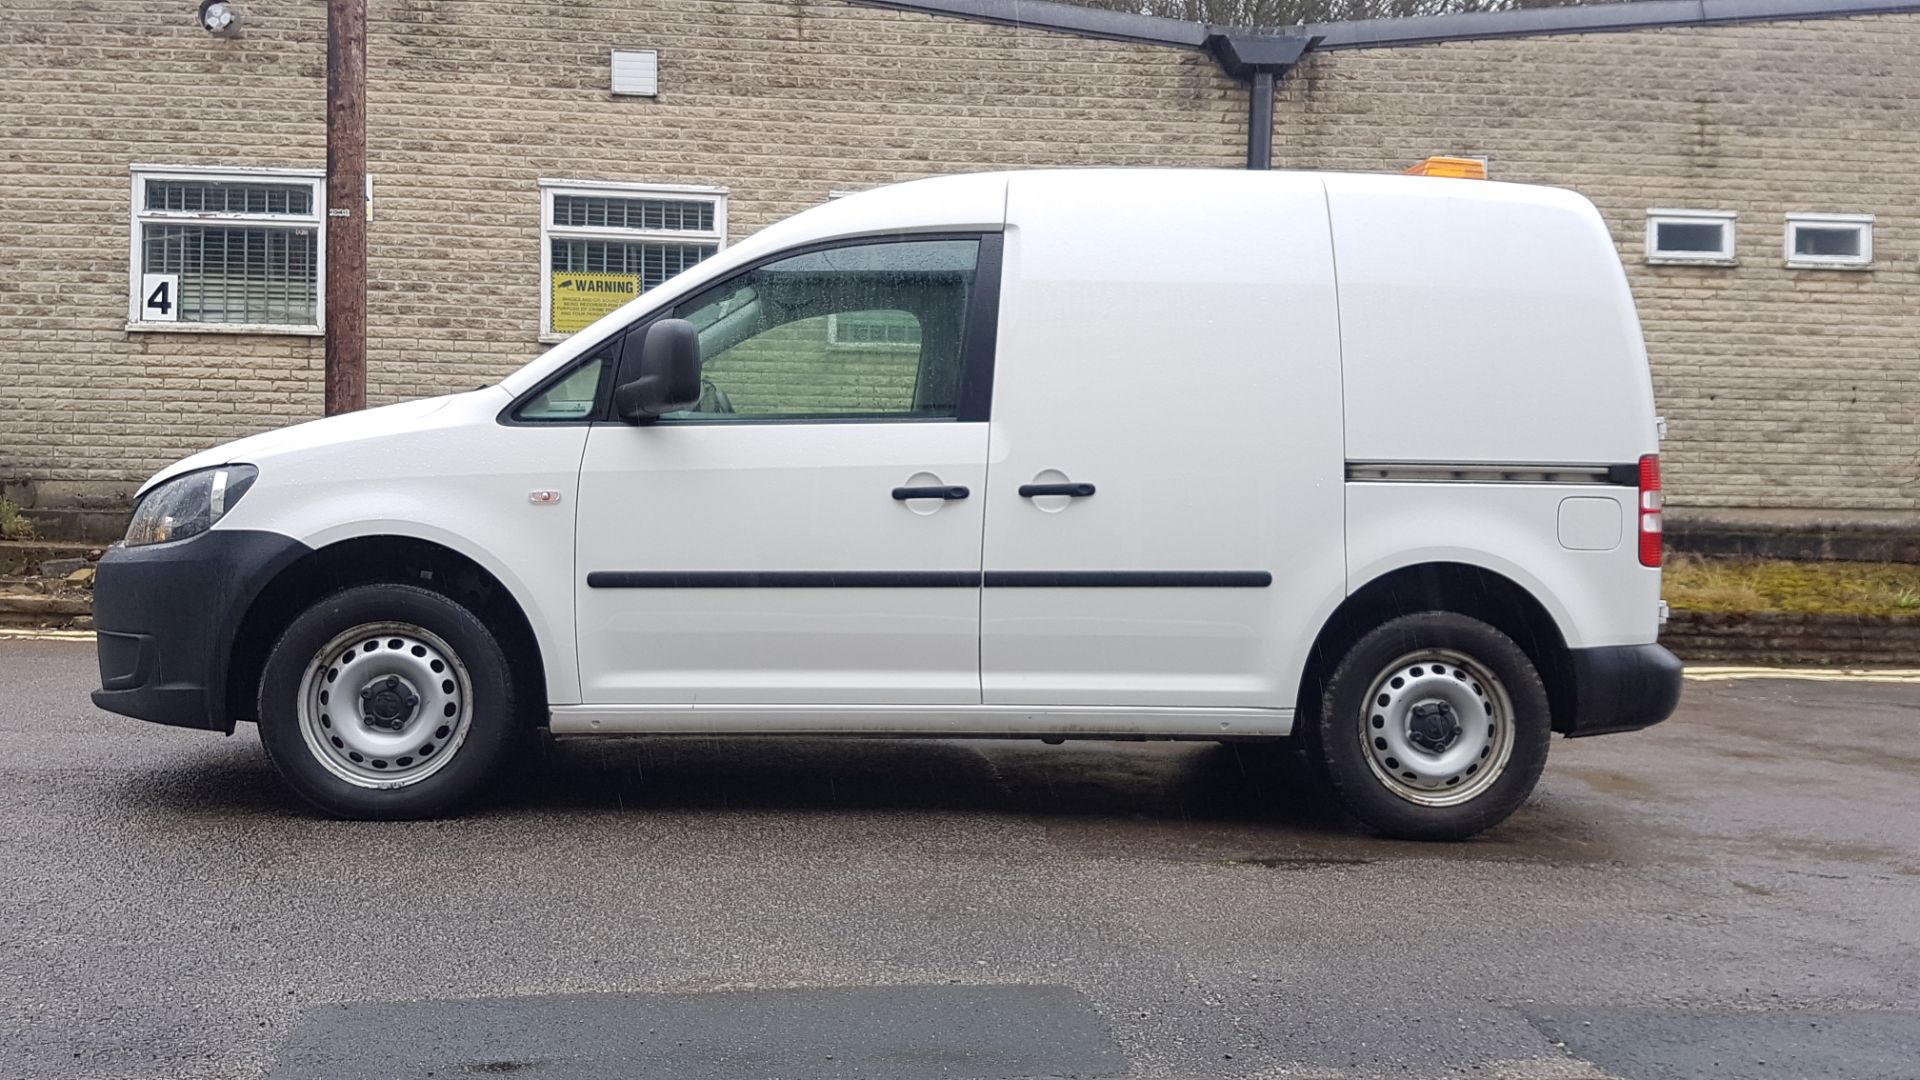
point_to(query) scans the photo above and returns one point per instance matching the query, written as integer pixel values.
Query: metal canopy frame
(1393, 33)
(1261, 59)
(1586, 19)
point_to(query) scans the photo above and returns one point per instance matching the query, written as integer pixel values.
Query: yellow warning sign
(579, 299)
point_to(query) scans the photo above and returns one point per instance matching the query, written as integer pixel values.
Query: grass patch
(1692, 583)
(13, 525)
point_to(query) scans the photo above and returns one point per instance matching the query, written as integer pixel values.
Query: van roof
(978, 200)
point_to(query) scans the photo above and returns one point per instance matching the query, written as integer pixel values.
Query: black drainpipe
(1260, 61)
(1260, 121)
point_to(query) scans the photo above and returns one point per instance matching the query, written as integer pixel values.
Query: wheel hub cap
(1432, 726)
(388, 703)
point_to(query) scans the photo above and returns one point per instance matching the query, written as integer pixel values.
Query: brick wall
(1785, 388)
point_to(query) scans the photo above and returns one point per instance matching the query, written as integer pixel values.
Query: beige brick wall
(1783, 388)
(1786, 388)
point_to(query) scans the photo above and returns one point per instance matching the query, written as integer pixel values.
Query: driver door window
(865, 331)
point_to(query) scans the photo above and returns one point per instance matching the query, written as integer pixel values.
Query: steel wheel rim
(353, 706)
(1405, 708)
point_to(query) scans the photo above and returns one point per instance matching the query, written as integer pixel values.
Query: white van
(1367, 462)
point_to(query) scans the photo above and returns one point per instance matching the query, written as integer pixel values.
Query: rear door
(1163, 511)
(810, 533)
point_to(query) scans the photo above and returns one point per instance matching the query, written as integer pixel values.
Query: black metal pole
(1260, 121)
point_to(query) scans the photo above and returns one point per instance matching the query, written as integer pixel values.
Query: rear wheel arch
(1463, 588)
(390, 559)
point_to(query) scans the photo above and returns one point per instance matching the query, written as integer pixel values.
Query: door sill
(952, 721)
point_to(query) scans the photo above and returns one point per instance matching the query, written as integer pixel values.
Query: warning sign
(579, 299)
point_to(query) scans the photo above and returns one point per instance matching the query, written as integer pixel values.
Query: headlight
(188, 505)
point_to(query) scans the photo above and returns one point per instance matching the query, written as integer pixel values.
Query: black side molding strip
(929, 579)
(784, 579)
(1128, 579)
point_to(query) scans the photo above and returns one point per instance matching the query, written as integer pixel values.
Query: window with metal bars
(226, 249)
(605, 243)
(652, 263)
(608, 212)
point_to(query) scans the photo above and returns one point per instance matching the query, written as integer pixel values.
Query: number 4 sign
(160, 297)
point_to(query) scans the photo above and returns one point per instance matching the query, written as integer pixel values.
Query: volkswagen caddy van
(1364, 463)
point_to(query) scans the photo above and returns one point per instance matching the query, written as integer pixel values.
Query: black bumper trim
(166, 616)
(1622, 688)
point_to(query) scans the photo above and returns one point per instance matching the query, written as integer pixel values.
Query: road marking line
(18, 634)
(1709, 673)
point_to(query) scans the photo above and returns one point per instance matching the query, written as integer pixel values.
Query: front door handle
(949, 492)
(1075, 491)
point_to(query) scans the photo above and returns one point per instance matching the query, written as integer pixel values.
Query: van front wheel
(386, 702)
(1434, 726)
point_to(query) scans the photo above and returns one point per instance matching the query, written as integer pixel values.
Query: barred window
(604, 244)
(226, 248)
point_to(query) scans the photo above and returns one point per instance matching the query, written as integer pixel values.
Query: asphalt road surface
(1733, 894)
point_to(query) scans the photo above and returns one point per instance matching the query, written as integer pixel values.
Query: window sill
(1801, 264)
(551, 338)
(1675, 260)
(224, 328)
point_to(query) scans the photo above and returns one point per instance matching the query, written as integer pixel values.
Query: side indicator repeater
(543, 498)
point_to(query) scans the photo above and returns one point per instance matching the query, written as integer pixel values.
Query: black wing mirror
(669, 366)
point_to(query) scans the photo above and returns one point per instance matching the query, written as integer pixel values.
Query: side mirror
(669, 366)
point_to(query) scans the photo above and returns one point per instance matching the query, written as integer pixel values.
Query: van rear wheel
(1434, 726)
(385, 702)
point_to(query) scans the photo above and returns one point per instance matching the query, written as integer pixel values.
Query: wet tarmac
(1735, 893)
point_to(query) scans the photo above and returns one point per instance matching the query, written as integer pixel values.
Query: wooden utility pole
(346, 205)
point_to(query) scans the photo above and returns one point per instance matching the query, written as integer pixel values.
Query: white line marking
(18, 634)
(1709, 673)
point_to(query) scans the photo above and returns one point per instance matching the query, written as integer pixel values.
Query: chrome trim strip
(1485, 472)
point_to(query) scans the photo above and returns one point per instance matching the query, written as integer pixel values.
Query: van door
(1164, 513)
(810, 533)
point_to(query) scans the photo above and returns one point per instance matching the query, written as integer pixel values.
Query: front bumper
(166, 616)
(1622, 688)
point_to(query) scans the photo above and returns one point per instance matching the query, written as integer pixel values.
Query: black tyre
(1433, 726)
(386, 702)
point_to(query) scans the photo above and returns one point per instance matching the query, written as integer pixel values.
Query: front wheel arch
(374, 560)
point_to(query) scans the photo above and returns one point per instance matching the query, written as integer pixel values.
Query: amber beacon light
(1459, 168)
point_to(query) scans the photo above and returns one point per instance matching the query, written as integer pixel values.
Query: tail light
(1651, 501)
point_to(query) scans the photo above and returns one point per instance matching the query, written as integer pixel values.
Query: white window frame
(717, 236)
(1723, 257)
(140, 217)
(1830, 262)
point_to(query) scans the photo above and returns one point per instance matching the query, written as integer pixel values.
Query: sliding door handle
(1075, 491)
(949, 492)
